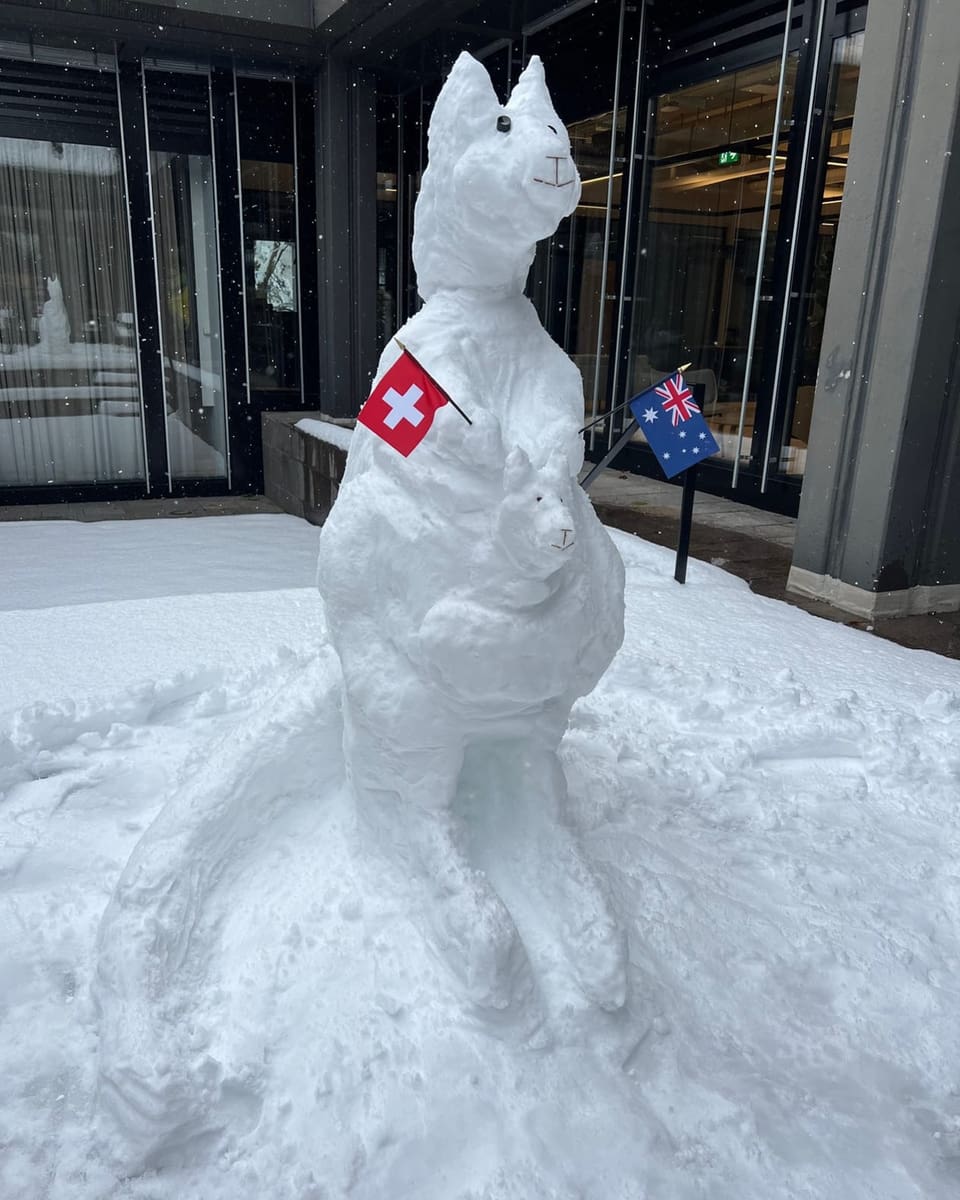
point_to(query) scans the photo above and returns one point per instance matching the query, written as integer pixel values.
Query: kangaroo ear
(517, 470)
(531, 96)
(466, 108)
(558, 467)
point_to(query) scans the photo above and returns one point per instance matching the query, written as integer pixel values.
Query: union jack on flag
(677, 398)
(673, 425)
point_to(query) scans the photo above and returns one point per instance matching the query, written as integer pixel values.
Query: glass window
(698, 263)
(70, 408)
(188, 276)
(269, 194)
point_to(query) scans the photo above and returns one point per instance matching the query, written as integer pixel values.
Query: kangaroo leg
(517, 792)
(403, 801)
(595, 942)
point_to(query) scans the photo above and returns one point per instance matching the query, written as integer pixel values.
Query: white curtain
(70, 408)
(188, 276)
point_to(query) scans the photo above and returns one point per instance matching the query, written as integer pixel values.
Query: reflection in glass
(270, 251)
(70, 407)
(274, 274)
(698, 267)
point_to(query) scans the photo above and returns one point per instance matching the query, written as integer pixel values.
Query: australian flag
(673, 425)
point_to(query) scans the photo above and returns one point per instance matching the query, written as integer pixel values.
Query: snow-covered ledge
(304, 456)
(906, 602)
(325, 430)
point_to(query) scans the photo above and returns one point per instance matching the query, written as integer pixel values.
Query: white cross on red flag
(401, 407)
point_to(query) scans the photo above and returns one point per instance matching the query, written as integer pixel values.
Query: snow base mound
(253, 937)
(769, 801)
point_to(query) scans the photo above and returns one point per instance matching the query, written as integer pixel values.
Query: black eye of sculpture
(551, 128)
(503, 124)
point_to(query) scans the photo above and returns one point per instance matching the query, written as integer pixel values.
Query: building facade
(206, 211)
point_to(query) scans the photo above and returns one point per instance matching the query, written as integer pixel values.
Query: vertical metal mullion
(243, 257)
(608, 222)
(223, 340)
(401, 250)
(791, 263)
(143, 264)
(243, 442)
(552, 273)
(156, 273)
(131, 279)
(296, 209)
(762, 248)
(304, 117)
(628, 206)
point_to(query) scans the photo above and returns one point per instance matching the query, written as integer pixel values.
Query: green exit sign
(729, 157)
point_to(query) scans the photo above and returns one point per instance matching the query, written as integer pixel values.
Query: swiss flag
(401, 407)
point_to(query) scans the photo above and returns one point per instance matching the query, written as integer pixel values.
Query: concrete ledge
(907, 602)
(301, 474)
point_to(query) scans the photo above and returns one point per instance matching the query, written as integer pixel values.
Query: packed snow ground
(772, 800)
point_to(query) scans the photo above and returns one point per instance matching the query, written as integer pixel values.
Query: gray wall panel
(877, 469)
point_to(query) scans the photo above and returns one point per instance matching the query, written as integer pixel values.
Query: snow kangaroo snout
(470, 591)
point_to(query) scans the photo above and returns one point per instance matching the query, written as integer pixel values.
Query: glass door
(183, 192)
(703, 291)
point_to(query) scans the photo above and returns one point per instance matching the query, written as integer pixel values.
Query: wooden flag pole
(443, 392)
(686, 523)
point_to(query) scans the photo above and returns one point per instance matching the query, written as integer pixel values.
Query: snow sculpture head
(500, 178)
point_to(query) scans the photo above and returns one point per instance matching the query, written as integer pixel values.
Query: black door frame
(242, 410)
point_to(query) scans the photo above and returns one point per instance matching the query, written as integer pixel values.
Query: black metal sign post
(689, 476)
(686, 523)
(686, 502)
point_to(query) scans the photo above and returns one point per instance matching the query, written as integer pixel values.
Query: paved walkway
(757, 546)
(754, 545)
(132, 510)
(616, 489)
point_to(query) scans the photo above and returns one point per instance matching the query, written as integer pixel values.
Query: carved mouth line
(555, 182)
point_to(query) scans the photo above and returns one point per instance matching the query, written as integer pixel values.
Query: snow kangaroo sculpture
(470, 591)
